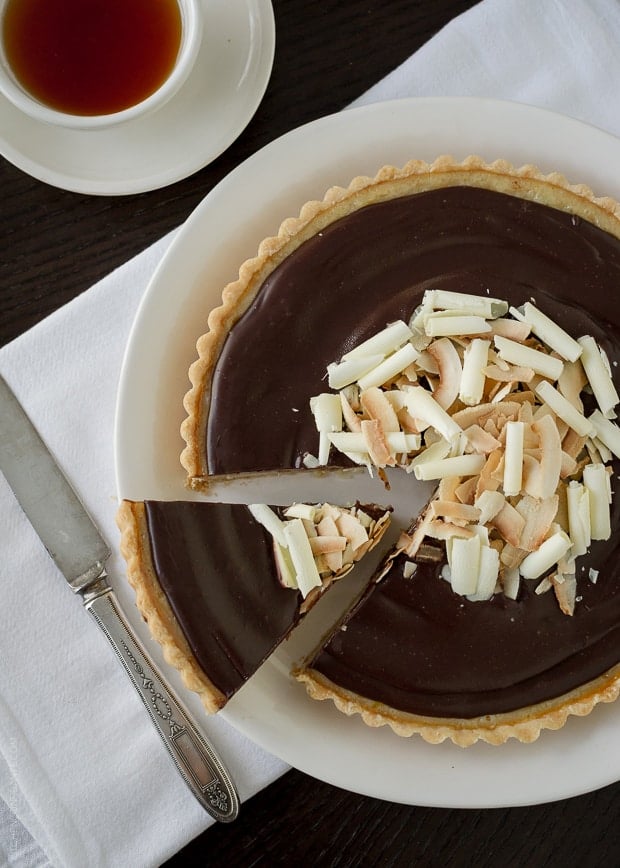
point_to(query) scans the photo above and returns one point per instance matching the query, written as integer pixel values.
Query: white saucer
(214, 105)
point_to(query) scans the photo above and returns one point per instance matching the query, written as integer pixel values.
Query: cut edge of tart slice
(526, 182)
(311, 546)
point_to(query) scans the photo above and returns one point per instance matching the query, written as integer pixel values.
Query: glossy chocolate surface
(415, 644)
(215, 564)
(371, 268)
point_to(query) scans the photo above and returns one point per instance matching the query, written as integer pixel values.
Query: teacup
(123, 67)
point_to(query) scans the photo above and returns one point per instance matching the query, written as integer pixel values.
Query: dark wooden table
(57, 244)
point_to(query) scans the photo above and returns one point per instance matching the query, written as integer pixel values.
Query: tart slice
(221, 585)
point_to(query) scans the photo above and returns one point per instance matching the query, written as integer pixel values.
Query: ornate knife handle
(193, 756)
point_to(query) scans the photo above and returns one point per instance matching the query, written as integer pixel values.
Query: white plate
(213, 106)
(224, 230)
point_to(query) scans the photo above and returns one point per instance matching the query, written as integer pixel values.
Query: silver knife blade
(45, 495)
(79, 551)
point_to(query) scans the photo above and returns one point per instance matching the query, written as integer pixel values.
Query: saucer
(209, 112)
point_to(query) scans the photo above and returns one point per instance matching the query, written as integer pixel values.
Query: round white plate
(213, 106)
(226, 228)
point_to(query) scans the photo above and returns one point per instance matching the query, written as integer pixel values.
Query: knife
(80, 553)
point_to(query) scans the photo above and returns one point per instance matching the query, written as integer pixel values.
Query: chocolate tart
(208, 585)
(332, 277)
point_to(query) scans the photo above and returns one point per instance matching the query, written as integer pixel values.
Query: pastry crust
(524, 724)
(154, 607)
(389, 183)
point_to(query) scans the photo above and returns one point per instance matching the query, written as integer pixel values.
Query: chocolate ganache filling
(411, 643)
(215, 565)
(371, 268)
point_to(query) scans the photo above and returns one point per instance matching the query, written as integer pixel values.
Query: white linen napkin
(83, 777)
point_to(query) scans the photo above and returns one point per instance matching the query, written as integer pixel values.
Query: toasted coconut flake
(544, 586)
(509, 524)
(488, 480)
(349, 527)
(512, 375)
(334, 562)
(480, 440)
(483, 412)
(409, 569)
(526, 412)
(322, 545)
(512, 557)
(377, 406)
(427, 363)
(565, 592)
(351, 419)
(489, 504)
(454, 511)
(551, 456)
(465, 492)
(569, 466)
(573, 443)
(511, 329)
(539, 516)
(450, 371)
(446, 489)
(410, 542)
(446, 530)
(571, 382)
(301, 510)
(327, 526)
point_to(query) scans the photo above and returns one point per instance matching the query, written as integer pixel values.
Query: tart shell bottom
(523, 724)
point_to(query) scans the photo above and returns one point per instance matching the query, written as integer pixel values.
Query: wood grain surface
(56, 244)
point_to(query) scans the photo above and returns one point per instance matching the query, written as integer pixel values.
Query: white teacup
(191, 36)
